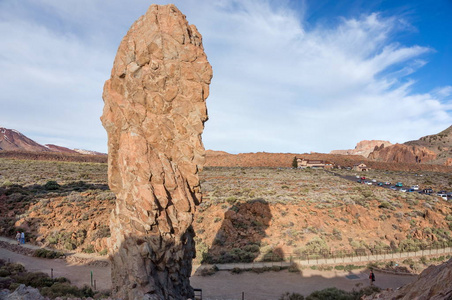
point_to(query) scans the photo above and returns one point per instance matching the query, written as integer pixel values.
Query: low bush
(51, 185)
(44, 253)
(293, 296)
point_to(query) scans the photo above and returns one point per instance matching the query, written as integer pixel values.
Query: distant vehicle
(403, 190)
(441, 192)
(368, 182)
(444, 196)
(363, 177)
(387, 183)
(426, 191)
(399, 184)
(359, 181)
(380, 184)
(374, 180)
(415, 187)
(393, 188)
(411, 190)
(357, 176)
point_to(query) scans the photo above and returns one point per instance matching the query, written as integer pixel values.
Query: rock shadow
(239, 239)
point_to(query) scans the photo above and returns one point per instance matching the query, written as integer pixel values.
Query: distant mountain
(88, 152)
(13, 140)
(56, 148)
(363, 148)
(432, 149)
(440, 144)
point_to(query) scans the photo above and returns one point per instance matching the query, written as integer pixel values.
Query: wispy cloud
(278, 86)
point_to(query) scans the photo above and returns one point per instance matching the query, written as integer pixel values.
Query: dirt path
(271, 285)
(223, 284)
(77, 273)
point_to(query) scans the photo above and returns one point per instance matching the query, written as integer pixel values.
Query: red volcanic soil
(284, 160)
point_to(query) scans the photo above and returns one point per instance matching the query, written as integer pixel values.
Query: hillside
(363, 148)
(440, 144)
(12, 140)
(430, 149)
(265, 213)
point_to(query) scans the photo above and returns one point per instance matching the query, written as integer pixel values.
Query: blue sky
(289, 76)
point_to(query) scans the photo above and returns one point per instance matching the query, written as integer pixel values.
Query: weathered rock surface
(432, 284)
(25, 293)
(154, 115)
(401, 153)
(363, 148)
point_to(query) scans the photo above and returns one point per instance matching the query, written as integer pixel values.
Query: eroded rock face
(363, 148)
(154, 115)
(401, 153)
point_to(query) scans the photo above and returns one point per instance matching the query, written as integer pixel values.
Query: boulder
(25, 293)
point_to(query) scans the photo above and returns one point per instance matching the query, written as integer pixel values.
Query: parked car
(363, 177)
(403, 190)
(387, 183)
(411, 190)
(415, 187)
(399, 184)
(368, 182)
(426, 191)
(380, 184)
(393, 188)
(444, 196)
(374, 180)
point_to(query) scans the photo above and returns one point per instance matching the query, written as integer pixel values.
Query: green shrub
(293, 296)
(44, 253)
(51, 185)
(89, 249)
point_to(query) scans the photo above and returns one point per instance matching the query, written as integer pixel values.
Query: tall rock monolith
(154, 115)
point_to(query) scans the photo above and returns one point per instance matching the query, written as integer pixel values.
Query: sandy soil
(222, 285)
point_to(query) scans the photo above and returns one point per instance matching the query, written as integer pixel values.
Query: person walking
(18, 237)
(371, 277)
(22, 237)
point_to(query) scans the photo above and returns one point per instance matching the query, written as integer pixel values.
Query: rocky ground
(246, 214)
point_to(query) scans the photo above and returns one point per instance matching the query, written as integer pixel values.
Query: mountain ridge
(13, 140)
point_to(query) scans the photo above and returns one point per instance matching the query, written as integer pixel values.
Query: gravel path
(271, 285)
(222, 285)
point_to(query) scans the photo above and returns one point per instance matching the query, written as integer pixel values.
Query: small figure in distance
(22, 237)
(371, 277)
(18, 237)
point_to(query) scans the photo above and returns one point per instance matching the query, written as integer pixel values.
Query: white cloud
(278, 86)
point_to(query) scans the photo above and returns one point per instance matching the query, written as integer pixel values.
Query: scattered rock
(25, 293)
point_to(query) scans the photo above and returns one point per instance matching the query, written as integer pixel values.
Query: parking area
(396, 186)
